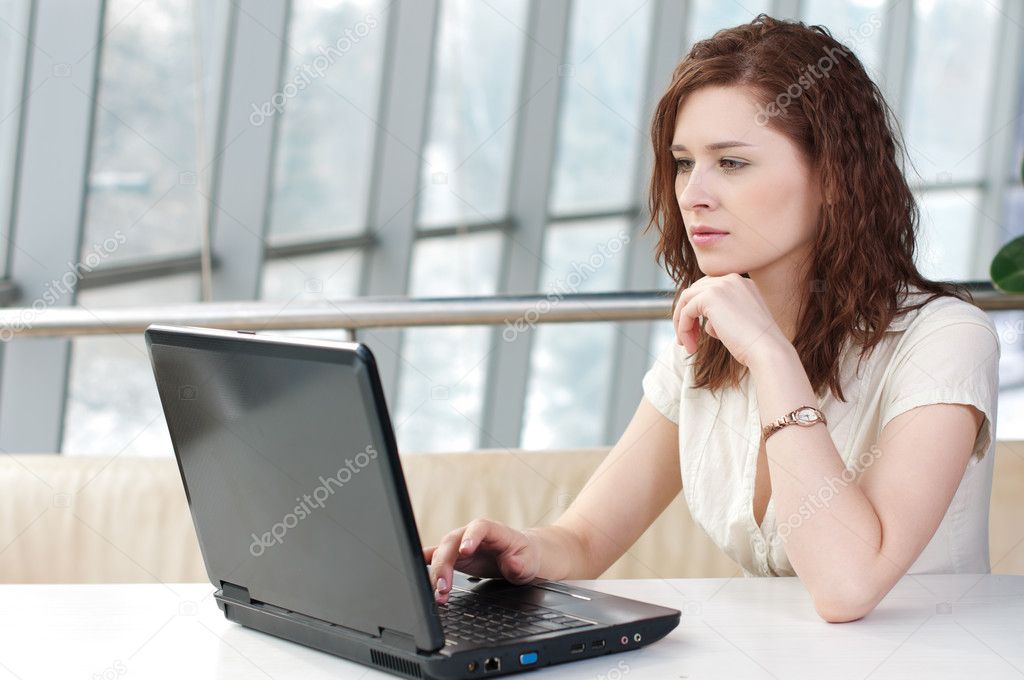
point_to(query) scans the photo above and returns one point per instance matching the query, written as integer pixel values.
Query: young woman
(827, 411)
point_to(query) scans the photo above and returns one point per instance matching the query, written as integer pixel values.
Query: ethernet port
(492, 664)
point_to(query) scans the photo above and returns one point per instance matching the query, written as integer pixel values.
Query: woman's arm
(632, 486)
(850, 551)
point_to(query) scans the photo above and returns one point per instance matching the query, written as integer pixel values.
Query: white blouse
(945, 352)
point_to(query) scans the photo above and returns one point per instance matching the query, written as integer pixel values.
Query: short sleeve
(949, 357)
(663, 383)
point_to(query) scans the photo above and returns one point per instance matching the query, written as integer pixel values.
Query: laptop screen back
(292, 476)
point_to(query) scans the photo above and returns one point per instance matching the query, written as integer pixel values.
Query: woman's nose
(695, 193)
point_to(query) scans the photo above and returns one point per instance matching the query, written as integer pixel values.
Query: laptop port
(528, 658)
(577, 648)
(597, 644)
(492, 664)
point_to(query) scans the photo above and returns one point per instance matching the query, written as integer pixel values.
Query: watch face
(806, 415)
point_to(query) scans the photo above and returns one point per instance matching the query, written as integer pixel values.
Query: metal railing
(352, 314)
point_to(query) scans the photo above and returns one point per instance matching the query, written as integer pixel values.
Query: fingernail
(441, 584)
(465, 545)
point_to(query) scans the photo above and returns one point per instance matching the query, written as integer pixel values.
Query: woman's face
(759, 189)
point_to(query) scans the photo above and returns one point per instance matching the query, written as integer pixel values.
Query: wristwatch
(805, 416)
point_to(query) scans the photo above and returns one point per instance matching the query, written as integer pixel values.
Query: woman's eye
(728, 164)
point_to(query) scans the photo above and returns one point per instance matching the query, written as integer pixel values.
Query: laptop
(295, 487)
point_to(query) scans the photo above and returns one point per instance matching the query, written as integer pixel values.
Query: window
(466, 162)
(662, 331)
(158, 102)
(143, 182)
(13, 43)
(708, 16)
(857, 25)
(1010, 327)
(113, 407)
(442, 374)
(1010, 324)
(323, 276)
(948, 233)
(1017, 157)
(951, 70)
(464, 178)
(570, 367)
(600, 124)
(329, 105)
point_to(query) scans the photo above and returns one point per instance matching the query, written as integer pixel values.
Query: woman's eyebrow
(714, 146)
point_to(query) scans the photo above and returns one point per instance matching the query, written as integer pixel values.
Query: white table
(963, 626)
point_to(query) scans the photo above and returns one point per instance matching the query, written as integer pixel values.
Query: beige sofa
(67, 519)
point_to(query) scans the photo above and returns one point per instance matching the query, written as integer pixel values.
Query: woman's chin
(710, 269)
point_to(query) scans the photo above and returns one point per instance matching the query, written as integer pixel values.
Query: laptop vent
(397, 664)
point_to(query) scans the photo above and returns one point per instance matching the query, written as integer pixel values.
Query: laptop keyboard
(469, 617)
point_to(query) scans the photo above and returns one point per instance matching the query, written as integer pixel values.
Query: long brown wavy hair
(863, 255)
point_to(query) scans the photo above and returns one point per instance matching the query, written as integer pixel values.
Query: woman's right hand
(482, 548)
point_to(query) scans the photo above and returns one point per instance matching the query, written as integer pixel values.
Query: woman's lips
(708, 238)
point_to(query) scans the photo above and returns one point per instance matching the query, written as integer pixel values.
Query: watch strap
(795, 417)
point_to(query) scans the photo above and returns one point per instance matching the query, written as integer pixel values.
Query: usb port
(597, 644)
(577, 648)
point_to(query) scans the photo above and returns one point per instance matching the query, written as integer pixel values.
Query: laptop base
(399, 657)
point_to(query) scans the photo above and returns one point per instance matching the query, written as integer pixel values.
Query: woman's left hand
(734, 312)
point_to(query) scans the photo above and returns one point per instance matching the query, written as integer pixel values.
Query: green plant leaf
(1007, 270)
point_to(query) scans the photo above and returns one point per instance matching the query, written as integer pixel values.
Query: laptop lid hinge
(398, 639)
(234, 592)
